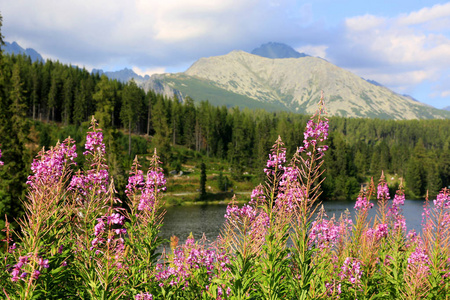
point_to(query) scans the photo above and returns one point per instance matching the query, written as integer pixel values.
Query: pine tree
(14, 132)
(104, 102)
(161, 138)
(131, 104)
(202, 180)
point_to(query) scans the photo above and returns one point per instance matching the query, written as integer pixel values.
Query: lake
(208, 219)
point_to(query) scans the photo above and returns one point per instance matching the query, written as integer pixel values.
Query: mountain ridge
(123, 75)
(277, 50)
(294, 84)
(14, 48)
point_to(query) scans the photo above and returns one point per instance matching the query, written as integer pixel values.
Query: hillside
(293, 84)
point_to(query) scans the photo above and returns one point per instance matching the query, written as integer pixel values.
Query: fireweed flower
(325, 234)
(351, 271)
(143, 296)
(363, 204)
(136, 180)
(17, 272)
(246, 213)
(94, 142)
(382, 190)
(1, 163)
(189, 258)
(442, 199)
(48, 166)
(107, 238)
(315, 132)
(419, 260)
(154, 184)
(95, 180)
(257, 196)
(277, 158)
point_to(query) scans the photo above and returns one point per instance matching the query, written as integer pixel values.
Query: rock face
(157, 84)
(277, 50)
(292, 84)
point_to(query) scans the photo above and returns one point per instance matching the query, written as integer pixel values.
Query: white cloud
(364, 23)
(319, 51)
(425, 15)
(149, 71)
(400, 52)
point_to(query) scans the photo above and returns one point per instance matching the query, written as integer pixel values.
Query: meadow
(77, 241)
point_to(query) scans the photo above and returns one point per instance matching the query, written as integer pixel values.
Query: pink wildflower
(363, 204)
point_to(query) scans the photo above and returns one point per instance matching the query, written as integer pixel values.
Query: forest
(43, 102)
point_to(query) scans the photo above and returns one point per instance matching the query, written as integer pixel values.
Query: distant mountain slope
(123, 75)
(277, 50)
(447, 108)
(14, 48)
(293, 84)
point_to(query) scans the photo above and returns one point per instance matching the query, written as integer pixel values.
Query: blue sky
(404, 45)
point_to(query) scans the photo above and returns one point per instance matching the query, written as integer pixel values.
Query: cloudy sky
(402, 44)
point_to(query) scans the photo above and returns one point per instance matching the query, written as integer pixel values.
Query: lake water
(208, 219)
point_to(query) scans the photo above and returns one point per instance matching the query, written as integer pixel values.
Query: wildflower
(315, 132)
(442, 199)
(351, 270)
(43, 262)
(94, 142)
(154, 184)
(381, 231)
(36, 274)
(276, 159)
(362, 203)
(94, 180)
(12, 248)
(136, 179)
(382, 189)
(143, 296)
(419, 262)
(48, 166)
(257, 195)
(1, 163)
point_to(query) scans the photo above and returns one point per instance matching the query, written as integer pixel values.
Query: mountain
(291, 84)
(14, 48)
(447, 108)
(123, 75)
(277, 50)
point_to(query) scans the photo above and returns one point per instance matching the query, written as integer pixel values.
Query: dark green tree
(131, 104)
(202, 180)
(161, 138)
(14, 130)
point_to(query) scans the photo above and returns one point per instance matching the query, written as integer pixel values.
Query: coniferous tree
(104, 102)
(68, 97)
(202, 180)
(14, 131)
(161, 138)
(131, 103)
(189, 115)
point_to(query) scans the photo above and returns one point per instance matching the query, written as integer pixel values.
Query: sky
(402, 44)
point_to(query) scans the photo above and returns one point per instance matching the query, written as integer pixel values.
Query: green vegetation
(41, 103)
